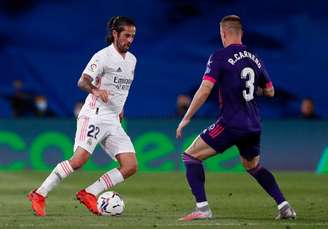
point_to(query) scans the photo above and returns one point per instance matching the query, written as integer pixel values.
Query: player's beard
(124, 48)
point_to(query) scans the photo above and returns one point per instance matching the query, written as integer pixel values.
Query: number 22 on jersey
(93, 131)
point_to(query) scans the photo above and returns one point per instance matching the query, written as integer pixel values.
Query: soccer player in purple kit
(240, 75)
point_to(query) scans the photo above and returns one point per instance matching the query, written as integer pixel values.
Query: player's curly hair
(117, 23)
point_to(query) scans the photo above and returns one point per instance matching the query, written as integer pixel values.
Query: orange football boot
(38, 203)
(196, 215)
(89, 200)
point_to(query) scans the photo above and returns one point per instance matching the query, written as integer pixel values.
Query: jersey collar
(115, 52)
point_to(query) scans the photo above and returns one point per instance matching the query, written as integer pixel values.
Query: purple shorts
(221, 139)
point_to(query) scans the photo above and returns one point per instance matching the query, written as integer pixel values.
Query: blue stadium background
(48, 43)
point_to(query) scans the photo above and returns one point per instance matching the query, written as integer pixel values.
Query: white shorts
(92, 130)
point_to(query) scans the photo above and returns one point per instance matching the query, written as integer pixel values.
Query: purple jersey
(237, 73)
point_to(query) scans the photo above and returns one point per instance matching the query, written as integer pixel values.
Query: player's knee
(251, 164)
(79, 158)
(129, 169)
(77, 163)
(186, 158)
(192, 154)
(200, 150)
(134, 169)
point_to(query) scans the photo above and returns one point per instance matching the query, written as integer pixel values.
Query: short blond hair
(233, 23)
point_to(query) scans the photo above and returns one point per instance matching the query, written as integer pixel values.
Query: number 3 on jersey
(248, 96)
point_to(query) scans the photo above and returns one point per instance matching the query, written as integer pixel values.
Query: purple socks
(268, 183)
(196, 179)
(195, 176)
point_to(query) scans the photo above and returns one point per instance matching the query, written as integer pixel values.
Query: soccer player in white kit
(107, 78)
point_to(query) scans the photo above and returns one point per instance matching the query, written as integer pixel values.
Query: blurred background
(45, 45)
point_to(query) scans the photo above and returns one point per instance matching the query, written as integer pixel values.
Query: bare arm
(85, 84)
(199, 98)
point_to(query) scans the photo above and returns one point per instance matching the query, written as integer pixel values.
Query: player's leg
(128, 164)
(63, 170)
(249, 149)
(59, 173)
(119, 147)
(128, 167)
(84, 145)
(90, 136)
(264, 177)
(195, 174)
(212, 140)
(193, 160)
(85, 198)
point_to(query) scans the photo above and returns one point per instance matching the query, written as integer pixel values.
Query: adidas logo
(119, 69)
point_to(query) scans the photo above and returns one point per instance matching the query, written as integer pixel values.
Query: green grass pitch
(157, 200)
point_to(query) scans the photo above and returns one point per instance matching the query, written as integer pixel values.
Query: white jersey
(111, 72)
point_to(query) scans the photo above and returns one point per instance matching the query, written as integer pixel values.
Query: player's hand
(183, 124)
(121, 116)
(102, 94)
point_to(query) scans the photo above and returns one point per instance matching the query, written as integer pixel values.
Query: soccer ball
(110, 203)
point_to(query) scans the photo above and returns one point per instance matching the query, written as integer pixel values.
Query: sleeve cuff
(209, 78)
(89, 73)
(268, 85)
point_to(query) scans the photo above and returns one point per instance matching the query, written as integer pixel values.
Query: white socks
(201, 204)
(281, 205)
(61, 171)
(105, 182)
(64, 169)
